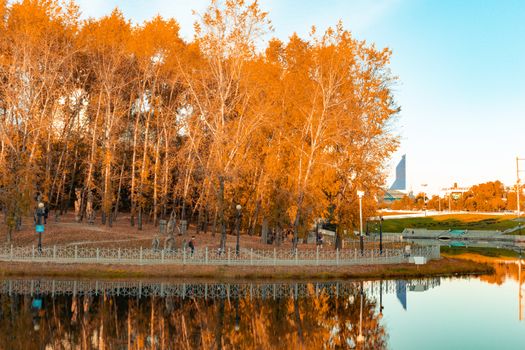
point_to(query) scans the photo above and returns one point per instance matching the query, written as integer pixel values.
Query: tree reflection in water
(310, 320)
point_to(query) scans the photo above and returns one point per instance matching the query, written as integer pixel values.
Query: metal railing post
(274, 257)
(184, 256)
(296, 261)
(140, 255)
(54, 252)
(11, 253)
(162, 256)
(118, 254)
(251, 256)
(206, 255)
(337, 256)
(76, 251)
(98, 253)
(228, 255)
(33, 252)
(317, 255)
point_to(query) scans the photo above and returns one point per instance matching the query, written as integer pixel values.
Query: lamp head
(238, 206)
(360, 193)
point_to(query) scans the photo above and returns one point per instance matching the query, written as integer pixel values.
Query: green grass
(452, 222)
(485, 251)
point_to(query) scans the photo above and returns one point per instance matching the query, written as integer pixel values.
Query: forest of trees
(104, 116)
(490, 196)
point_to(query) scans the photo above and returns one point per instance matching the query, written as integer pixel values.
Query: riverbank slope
(442, 267)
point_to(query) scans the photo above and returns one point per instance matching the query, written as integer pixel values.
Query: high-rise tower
(401, 175)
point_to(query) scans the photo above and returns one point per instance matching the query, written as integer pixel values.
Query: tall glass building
(401, 176)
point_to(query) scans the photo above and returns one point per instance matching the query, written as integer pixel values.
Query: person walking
(191, 244)
(46, 214)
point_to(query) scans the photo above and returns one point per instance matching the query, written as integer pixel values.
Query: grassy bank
(442, 267)
(453, 222)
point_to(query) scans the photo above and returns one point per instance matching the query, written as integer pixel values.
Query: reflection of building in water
(414, 286)
(418, 288)
(401, 293)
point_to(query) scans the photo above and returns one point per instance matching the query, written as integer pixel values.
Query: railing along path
(205, 256)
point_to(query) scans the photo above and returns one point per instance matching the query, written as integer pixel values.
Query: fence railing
(205, 256)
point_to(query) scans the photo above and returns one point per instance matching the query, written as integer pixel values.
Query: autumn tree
(226, 36)
(37, 46)
(122, 116)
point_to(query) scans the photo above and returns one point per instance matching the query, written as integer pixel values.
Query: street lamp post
(360, 194)
(518, 190)
(424, 198)
(238, 224)
(380, 235)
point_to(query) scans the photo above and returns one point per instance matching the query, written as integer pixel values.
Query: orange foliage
(132, 117)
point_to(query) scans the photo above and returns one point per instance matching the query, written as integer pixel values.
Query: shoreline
(444, 267)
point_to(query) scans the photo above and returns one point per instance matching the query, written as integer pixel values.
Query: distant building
(393, 195)
(398, 188)
(400, 183)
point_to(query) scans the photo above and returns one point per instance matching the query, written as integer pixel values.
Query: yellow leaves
(108, 34)
(156, 39)
(283, 127)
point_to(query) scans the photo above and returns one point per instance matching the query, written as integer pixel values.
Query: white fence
(205, 256)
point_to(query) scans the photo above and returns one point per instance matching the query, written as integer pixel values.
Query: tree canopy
(107, 116)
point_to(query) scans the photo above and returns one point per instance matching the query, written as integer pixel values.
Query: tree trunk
(107, 200)
(253, 226)
(165, 182)
(139, 218)
(264, 231)
(155, 180)
(296, 228)
(78, 204)
(72, 186)
(221, 214)
(206, 220)
(117, 202)
(87, 185)
(214, 227)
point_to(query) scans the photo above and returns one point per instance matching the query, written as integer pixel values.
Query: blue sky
(461, 69)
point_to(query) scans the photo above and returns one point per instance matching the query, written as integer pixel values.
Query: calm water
(457, 313)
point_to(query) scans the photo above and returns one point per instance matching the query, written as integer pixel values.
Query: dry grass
(121, 234)
(472, 217)
(442, 267)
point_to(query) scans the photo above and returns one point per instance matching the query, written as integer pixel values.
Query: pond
(438, 313)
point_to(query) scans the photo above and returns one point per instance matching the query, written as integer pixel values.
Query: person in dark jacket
(46, 214)
(191, 244)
